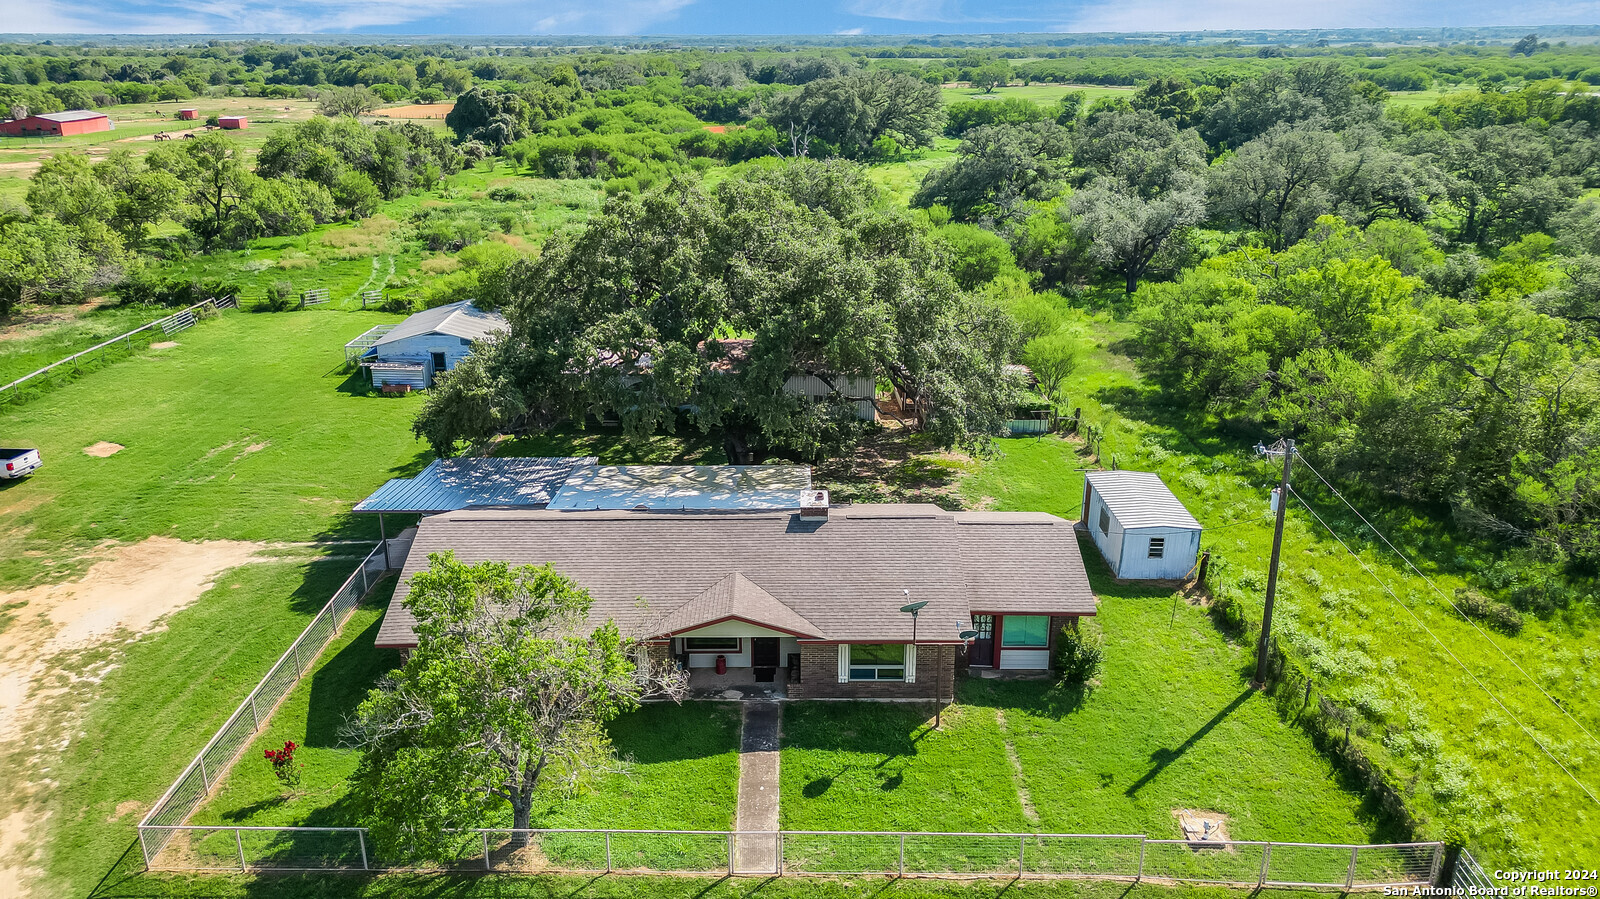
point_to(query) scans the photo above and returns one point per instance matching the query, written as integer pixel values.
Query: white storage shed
(1141, 528)
(433, 340)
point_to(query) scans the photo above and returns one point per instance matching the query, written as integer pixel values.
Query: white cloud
(857, 30)
(335, 16)
(1217, 15)
(906, 10)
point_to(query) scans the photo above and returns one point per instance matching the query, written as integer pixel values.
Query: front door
(764, 652)
(982, 652)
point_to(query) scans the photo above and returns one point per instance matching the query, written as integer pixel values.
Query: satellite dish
(915, 607)
(967, 635)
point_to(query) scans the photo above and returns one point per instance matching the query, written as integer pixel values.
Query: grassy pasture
(31, 340)
(158, 701)
(247, 429)
(1438, 737)
(1043, 94)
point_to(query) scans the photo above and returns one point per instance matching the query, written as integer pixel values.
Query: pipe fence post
(239, 841)
(298, 671)
(361, 837)
(1140, 876)
(487, 864)
(1350, 875)
(777, 865)
(730, 853)
(254, 715)
(1266, 856)
(204, 778)
(608, 852)
(902, 855)
(1022, 847)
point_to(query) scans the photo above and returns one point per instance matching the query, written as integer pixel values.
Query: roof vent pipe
(814, 505)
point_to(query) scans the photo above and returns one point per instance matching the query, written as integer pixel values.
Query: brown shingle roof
(1020, 562)
(735, 596)
(842, 577)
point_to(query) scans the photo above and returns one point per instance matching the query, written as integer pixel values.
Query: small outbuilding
(428, 342)
(1142, 529)
(57, 124)
(188, 115)
(233, 122)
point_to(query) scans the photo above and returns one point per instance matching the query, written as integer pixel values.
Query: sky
(671, 17)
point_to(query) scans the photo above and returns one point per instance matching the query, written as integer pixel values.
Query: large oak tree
(683, 304)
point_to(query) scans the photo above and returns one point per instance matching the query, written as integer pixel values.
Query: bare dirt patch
(163, 345)
(417, 111)
(103, 449)
(127, 592)
(1201, 826)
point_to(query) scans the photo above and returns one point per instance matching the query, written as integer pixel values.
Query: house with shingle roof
(806, 600)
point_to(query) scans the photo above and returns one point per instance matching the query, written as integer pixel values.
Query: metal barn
(1142, 529)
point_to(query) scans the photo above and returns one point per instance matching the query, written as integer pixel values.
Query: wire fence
(1470, 878)
(191, 788)
(137, 338)
(825, 853)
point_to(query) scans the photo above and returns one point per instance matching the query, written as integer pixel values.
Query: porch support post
(383, 535)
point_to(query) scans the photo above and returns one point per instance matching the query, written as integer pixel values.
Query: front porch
(738, 684)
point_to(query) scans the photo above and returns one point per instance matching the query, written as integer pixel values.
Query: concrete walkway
(757, 853)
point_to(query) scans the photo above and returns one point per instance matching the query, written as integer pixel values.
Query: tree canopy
(683, 303)
(507, 693)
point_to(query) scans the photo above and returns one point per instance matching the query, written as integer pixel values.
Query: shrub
(1497, 615)
(1078, 655)
(284, 767)
(279, 298)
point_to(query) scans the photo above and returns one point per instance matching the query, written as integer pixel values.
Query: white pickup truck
(15, 463)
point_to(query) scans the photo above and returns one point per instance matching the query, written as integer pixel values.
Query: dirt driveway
(126, 593)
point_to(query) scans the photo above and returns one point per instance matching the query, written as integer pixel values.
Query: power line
(1414, 617)
(1464, 616)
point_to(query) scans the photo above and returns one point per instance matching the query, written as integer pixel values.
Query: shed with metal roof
(1142, 529)
(429, 342)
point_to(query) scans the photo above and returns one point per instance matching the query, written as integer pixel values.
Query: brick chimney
(814, 505)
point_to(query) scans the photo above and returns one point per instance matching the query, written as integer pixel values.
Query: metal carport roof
(450, 484)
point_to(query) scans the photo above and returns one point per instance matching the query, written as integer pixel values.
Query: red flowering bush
(283, 764)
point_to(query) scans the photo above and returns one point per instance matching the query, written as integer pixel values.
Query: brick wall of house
(819, 676)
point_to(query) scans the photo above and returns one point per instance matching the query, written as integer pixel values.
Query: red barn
(233, 122)
(188, 114)
(58, 124)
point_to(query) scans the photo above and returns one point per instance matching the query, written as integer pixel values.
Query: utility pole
(1272, 572)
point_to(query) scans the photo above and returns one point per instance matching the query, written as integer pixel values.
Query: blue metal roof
(450, 484)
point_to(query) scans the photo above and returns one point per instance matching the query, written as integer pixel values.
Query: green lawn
(248, 429)
(1436, 736)
(875, 766)
(681, 762)
(158, 700)
(47, 334)
(1166, 728)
